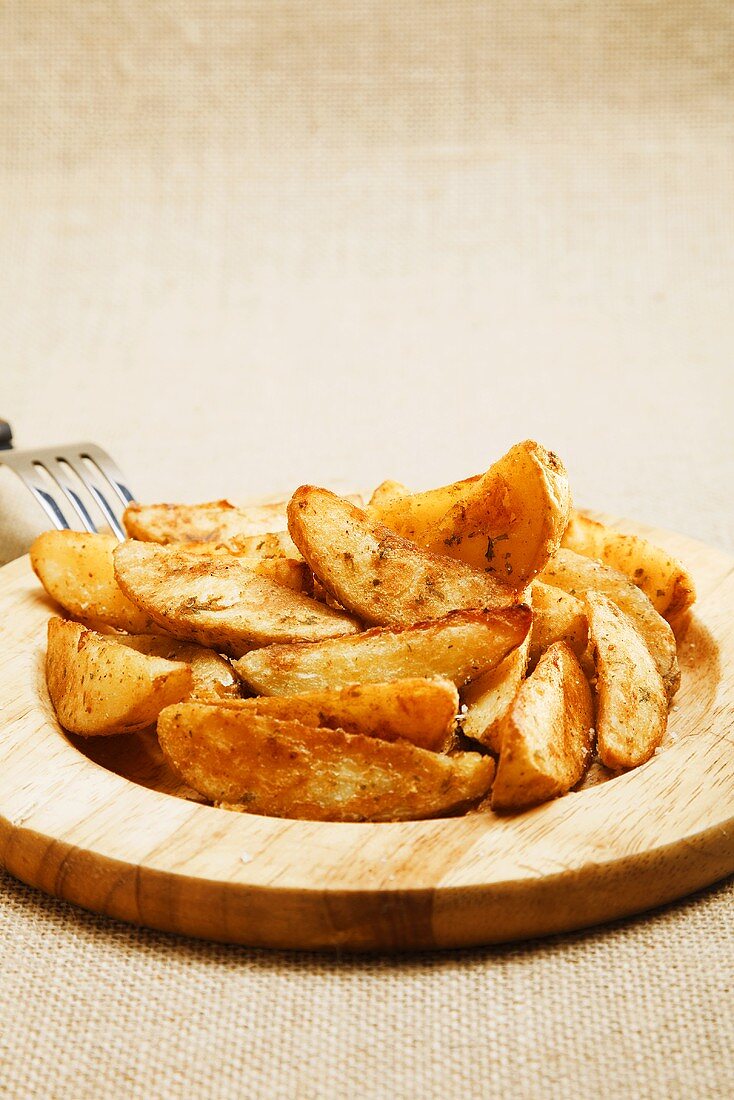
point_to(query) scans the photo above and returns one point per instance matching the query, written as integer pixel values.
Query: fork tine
(98, 485)
(58, 473)
(27, 471)
(111, 471)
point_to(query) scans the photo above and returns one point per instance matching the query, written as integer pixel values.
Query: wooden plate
(112, 843)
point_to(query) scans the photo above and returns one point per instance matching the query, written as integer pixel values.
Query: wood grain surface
(110, 830)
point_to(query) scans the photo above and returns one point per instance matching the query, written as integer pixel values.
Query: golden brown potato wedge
(632, 705)
(418, 710)
(77, 571)
(284, 769)
(507, 522)
(213, 677)
(383, 579)
(557, 617)
(579, 575)
(666, 583)
(215, 521)
(292, 573)
(490, 697)
(219, 602)
(273, 544)
(547, 733)
(98, 686)
(458, 648)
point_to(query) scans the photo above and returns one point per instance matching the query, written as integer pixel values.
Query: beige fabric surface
(249, 244)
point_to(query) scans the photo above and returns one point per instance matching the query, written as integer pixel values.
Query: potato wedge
(547, 733)
(490, 697)
(458, 648)
(215, 521)
(213, 677)
(632, 709)
(292, 573)
(383, 579)
(77, 571)
(273, 544)
(507, 522)
(219, 602)
(284, 769)
(666, 583)
(579, 575)
(418, 710)
(557, 617)
(98, 686)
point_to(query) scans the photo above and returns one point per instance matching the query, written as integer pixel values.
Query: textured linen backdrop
(249, 244)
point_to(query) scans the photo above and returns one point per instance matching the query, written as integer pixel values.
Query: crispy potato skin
(213, 677)
(262, 765)
(663, 579)
(218, 602)
(459, 648)
(98, 686)
(490, 697)
(383, 579)
(632, 711)
(547, 733)
(579, 575)
(418, 710)
(557, 617)
(77, 571)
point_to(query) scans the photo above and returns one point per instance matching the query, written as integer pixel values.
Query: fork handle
(6, 436)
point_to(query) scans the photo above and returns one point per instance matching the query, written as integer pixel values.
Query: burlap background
(246, 244)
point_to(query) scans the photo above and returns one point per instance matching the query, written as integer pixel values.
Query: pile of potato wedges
(465, 649)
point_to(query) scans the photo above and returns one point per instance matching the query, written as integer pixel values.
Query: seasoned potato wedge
(292, 573)
(507, 522)
(273, 544)
(383, 579)
(418, 710)
(458, 648)
(547, 733)
(212, 676)
(77, 571)
(580, 575)
(219, 602)
(98, 686)
(632, 705)
(284, 769)
(215, 521)
(666, 583)
(557, 617)
(512, 519)
(490, 697)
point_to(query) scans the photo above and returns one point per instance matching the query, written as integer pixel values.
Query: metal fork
(71, 483)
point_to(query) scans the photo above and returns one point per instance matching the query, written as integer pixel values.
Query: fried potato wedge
(98, 686)
(219, 602)
(547, 733)
(579, 575)
(77, 571)
(284, 769)
(507, 522)
(664, 580)
(213, 677)
(632, 711)
(383, 579)
(459, 648)
(557, 617)
(292, 573)
(490, 697)
(215, 521)
(418, 710)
